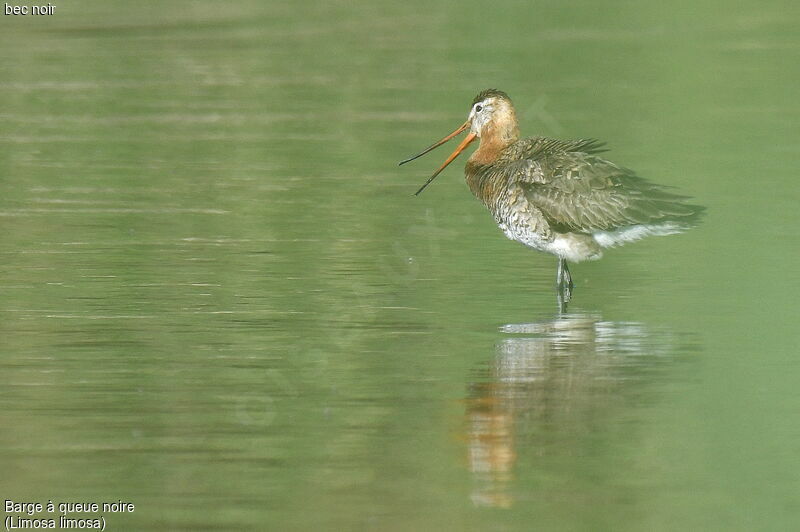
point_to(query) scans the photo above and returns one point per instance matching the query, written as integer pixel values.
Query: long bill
(461, 147)
(461, 128)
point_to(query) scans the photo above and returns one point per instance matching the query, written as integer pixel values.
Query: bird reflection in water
(547, 386)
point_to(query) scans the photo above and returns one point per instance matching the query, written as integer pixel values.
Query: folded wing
(579, 191)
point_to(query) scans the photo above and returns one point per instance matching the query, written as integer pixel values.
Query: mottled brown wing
(538, 148)
(582, 192)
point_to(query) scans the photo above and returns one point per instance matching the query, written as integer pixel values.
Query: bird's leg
(564, 282)
(564, 278)
(562, 299)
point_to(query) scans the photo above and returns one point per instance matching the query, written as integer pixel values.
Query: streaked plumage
(560, 196)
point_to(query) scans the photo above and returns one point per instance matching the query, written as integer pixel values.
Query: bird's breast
(487, 183)
(510, 208)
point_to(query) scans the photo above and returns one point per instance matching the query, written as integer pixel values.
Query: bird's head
(491, 118)
(492, 114)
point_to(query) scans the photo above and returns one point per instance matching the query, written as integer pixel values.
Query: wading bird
(558, 196)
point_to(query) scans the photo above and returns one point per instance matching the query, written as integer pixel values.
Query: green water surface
(220, 301)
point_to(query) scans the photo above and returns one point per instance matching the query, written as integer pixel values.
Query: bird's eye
(478, 108)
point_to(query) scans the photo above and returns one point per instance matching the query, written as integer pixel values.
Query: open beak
(466, 142)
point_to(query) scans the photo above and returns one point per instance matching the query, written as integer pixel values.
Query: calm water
(220, 301)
